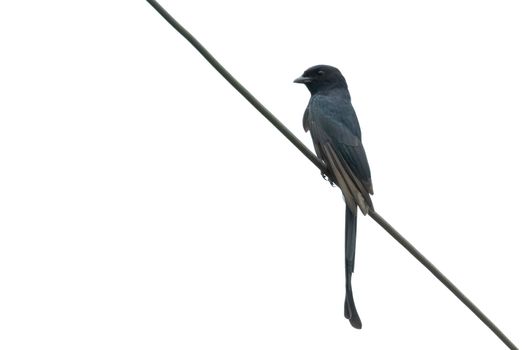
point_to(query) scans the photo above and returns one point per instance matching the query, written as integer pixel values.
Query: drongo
(336, 135)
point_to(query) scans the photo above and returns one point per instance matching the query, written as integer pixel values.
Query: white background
(144, 204)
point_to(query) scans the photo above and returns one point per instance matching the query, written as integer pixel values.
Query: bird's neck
(340, 91)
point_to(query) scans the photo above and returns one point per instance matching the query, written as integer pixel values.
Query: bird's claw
(327, 178)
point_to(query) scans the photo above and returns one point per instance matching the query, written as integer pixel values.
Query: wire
(441, 277)
(238, 86)
(320, 164)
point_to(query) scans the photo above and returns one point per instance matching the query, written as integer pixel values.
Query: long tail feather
(350, 240)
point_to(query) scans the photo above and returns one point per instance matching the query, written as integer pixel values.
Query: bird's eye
(320, 72)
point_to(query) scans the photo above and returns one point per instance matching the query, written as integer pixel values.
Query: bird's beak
(302, 80)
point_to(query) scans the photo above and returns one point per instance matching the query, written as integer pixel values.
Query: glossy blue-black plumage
(335, 131)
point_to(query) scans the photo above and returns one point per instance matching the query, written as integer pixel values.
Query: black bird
(336, 135)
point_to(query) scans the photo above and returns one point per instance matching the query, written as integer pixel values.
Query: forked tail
(350, 238)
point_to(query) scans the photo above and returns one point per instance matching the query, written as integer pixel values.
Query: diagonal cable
(320, 164)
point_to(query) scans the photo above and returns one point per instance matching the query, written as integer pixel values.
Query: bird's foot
(328, 178)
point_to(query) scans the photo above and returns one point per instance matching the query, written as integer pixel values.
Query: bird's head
(322, 78)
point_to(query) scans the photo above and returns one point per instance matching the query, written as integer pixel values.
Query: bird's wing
(340, 147)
